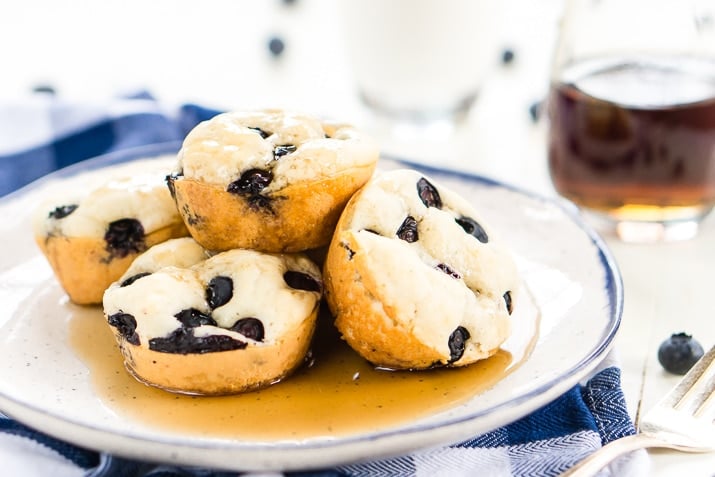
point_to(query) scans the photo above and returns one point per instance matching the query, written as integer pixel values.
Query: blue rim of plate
(564, 380)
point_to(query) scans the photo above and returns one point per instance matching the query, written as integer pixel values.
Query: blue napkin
(42, 133)
(47, 133)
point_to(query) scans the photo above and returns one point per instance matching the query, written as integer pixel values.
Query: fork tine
(695, 387)
(695, 400)
(707, 408)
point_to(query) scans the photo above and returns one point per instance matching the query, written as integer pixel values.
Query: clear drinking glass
(418, 67)
(632, 114)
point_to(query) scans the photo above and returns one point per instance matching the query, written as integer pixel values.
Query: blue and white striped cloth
(44, 133)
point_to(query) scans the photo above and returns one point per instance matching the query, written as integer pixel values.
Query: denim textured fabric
(58, 134)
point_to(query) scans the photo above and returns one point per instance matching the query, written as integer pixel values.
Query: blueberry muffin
(416, 278)
(91, 238)
(268, 180)
(192, 323)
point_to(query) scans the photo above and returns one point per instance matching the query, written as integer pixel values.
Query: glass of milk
(419, 61)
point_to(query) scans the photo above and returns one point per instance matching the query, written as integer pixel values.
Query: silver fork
(682, 420)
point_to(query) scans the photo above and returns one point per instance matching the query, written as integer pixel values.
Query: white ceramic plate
(570, 274)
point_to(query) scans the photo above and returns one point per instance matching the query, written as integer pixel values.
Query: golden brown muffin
(91, 240)
(269, 180)
(236, 321)
(415, 278)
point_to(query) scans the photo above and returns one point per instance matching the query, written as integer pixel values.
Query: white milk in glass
(420, 58)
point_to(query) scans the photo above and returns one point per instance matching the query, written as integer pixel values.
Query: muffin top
(138, 194)
(271, 149)
(176, 298)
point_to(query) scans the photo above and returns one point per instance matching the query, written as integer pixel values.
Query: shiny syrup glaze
(339, 394)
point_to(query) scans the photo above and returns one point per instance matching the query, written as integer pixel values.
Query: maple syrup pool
(340, 394)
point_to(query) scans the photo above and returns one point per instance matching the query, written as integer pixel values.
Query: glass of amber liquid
(631, 114)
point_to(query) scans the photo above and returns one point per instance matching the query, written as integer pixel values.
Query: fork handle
(608, 453)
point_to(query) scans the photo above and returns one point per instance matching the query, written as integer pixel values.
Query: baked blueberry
(191, 318)
(128, 281)
(170, 179)
(126, 324)
(473, 228)
(428, 193)
(457, 342)
(280, 151)
(219, 291)
(302, 281)
(408, 230)
(251, 182)
(507, 300)
(183, 341)
(443, 267)
(63, 211)
(250, 328)
(264, 134)
(250, 185)
(125, 236)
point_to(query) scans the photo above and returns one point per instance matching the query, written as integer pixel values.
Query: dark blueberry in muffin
(448, 270)
(191, 318)
(428, 194)
(126, 324)
(472, 227)
(280, 151)
(509, 304)
(125, 236)
(260, 131)
(250, 328)
(252, 182)
(408, 230)
(133, 278)
(63, 211)
(170, 179)
(302, 281)
(219, 291)
(456, 343)
(183, 341)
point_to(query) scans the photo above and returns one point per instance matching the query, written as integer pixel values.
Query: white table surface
(214, 52)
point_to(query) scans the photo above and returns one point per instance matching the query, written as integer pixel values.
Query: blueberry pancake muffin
(268, 180)
(235, 321)
(90, 240)
(415, 277)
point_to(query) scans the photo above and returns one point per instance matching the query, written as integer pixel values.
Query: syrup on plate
(339, 394)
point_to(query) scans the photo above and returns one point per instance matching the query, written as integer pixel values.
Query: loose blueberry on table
(679, 353)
